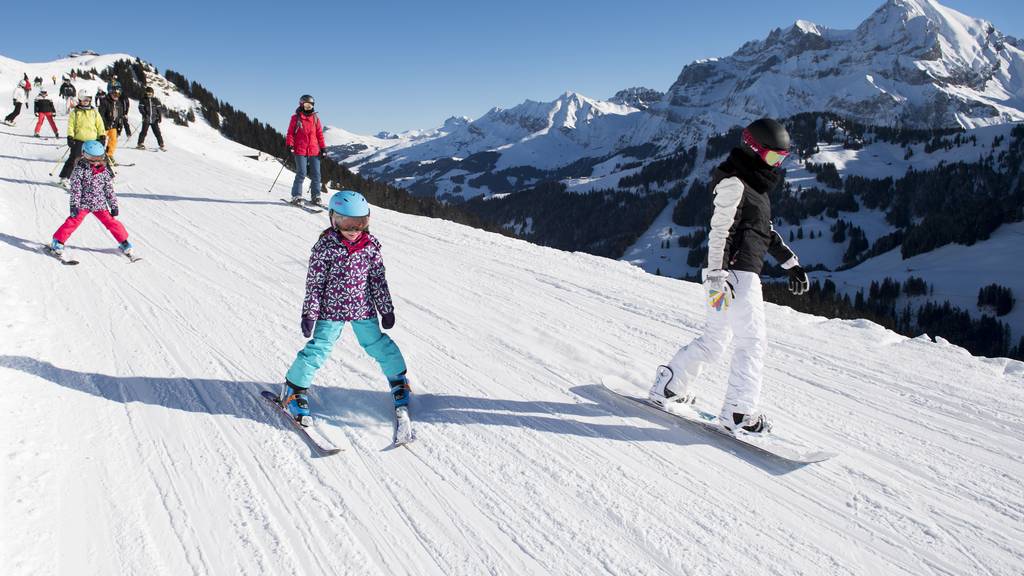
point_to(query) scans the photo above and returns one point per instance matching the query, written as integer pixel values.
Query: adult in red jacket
(305, 141)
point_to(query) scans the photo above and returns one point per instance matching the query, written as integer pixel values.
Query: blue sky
(395, 65)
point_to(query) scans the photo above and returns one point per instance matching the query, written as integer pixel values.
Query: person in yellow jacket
(84, 124)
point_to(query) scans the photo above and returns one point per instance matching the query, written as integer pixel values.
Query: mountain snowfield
(911, 63)
(135, 441)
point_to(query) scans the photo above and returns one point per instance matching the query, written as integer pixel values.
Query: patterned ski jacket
(90, 190)
(345, 281)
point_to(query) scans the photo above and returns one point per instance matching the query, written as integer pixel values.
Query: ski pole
(110, 165)
(275, 179)
(61, 159)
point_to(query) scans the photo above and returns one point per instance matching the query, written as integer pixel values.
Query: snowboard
(772, 443)
(311, 434)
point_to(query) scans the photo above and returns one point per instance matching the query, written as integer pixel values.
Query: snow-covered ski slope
(134, 440)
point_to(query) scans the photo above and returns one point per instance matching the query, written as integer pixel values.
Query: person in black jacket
(67, 93)
(741, 234)
(114, 111)
(149, 107)
(44, 110)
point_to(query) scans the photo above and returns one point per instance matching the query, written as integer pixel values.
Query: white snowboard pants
(743, 320)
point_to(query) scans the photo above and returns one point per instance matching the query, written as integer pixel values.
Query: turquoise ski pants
(378, 345)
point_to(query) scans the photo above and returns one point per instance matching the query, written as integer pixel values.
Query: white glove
(717, 288)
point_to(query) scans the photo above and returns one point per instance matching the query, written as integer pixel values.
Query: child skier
(741, 233)
(84, 124)
(92, 191)
(20, 98)
(44, 110)
(149, 107)
(345, 283)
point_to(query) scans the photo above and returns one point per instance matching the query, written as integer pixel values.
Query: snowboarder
(92, 191)
(741, 233)
(305, 141)
(84, 124)
(345, 283)
(114, 111)
(20, 98)
(67, 93)
(44, 110)
(149, 107)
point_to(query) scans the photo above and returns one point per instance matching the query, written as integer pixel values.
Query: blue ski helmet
(349, 203)
(94, 149)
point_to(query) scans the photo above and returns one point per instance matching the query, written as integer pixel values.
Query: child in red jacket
(43, 107)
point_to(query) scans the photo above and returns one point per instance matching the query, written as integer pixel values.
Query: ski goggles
(771, 157)
(349, 223)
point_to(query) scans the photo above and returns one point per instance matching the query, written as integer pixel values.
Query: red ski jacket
(305, 134)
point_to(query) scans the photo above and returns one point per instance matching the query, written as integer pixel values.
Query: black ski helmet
(307, 98)
(768, 133)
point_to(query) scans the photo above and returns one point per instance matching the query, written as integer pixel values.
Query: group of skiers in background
(345, 279)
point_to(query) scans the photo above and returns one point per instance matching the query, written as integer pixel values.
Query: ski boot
(400, 391)
(56, 247)
(140, 147)
(315, 200)
(162, 149)
(662, 394)
(296, 200)
(64, 183)
(36, 134)
(297, 403)
(736, 422)
(126, 248)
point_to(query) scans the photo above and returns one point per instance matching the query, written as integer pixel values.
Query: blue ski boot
(297, 403)
(126, 248)
(56, 247)
(403, 423)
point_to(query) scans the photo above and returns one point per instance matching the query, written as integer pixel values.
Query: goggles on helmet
(771, 157)
(349, 223)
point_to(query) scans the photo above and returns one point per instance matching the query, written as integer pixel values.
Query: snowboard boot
(736, 422)
(297, 403)
(663, 392)
(56, 247)
(126, 248)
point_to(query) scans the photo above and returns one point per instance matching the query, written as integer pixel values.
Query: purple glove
(307, 327)
(387, 321)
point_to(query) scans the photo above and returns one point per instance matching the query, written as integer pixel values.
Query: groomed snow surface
(134, 441)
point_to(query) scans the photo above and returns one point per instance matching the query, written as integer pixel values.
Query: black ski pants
(156, 131)
(17, 110)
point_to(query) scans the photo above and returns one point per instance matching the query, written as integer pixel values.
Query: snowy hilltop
(136, 442)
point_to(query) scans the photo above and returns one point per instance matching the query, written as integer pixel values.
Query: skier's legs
(300, 175)
(111, 142)
(380, 346)
(113, 225)
(73, 156)
(69, 226)
(49, 116)
(39, 122)
(688, 362)
(314, 176)
(159, 137)
(17, 110)
(748, 325)
(144, 132)
(315, 353)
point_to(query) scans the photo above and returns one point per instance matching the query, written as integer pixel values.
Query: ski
(301, 206)
(404, 434)
(132, 258)
(316, 440)
(63, 260)
(771, 444)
